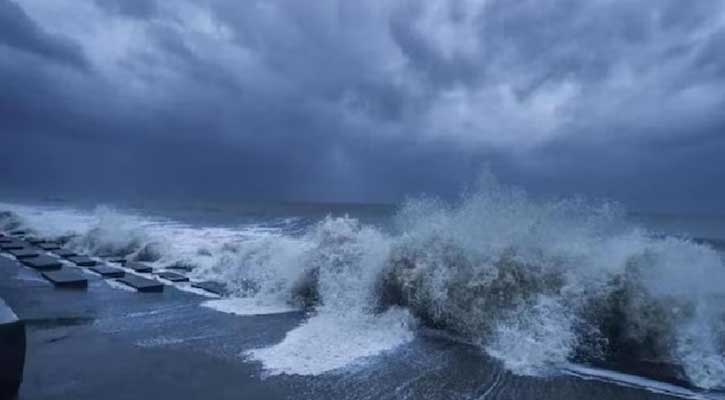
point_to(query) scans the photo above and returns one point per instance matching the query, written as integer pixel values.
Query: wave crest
(539, 283)
(534, 284)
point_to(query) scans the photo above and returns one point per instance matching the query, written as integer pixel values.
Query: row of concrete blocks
(52, 269)
(25, 249)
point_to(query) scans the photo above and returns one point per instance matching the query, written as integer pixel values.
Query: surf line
(632, 381)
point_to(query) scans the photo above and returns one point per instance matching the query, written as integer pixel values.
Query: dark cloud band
(364, 101)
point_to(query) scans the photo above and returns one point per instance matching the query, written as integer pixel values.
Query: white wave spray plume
(535, 284)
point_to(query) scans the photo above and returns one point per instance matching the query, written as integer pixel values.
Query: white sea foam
(632, 381)
(538, 282)
(50, 221)
(346, 260)
(248, 306)
(118, 285)
(329, 342)
(534, 339)
(159, 341)
(532, 283)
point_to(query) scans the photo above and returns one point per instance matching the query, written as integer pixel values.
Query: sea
(495, 294)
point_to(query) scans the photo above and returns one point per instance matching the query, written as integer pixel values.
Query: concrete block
(66, 278)
(116, 260)
(83, 261)
(107, 271)
(65, 253)
(49, 246)
(212, 287)
(142, 284)
(24, 253)
(43, 263)
(14, 245)
(34, 240)
(180, 267)
(173, 276)
(12, 351)
(139, 267)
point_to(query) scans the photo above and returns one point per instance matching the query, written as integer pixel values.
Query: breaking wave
(534, 284)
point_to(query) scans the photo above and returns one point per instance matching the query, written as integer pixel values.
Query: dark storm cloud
(130, 8)
(17, 30)
(364, 101)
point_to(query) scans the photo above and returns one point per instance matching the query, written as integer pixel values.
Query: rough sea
(494, 293)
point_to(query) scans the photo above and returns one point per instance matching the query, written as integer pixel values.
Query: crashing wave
(10, 221)
(534, 284)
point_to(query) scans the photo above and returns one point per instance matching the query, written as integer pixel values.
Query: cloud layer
(364, 101)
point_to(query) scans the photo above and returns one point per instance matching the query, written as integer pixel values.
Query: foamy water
(533, 284)
(248, 306)
(329, 341)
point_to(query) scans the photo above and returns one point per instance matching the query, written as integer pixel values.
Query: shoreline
(105, 342)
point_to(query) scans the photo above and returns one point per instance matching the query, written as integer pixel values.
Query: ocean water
(541, 287)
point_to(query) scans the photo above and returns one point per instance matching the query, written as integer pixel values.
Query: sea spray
(113, 233)
(534, 284)
(342, 270)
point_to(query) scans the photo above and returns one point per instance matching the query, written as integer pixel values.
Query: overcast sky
(364, 100)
